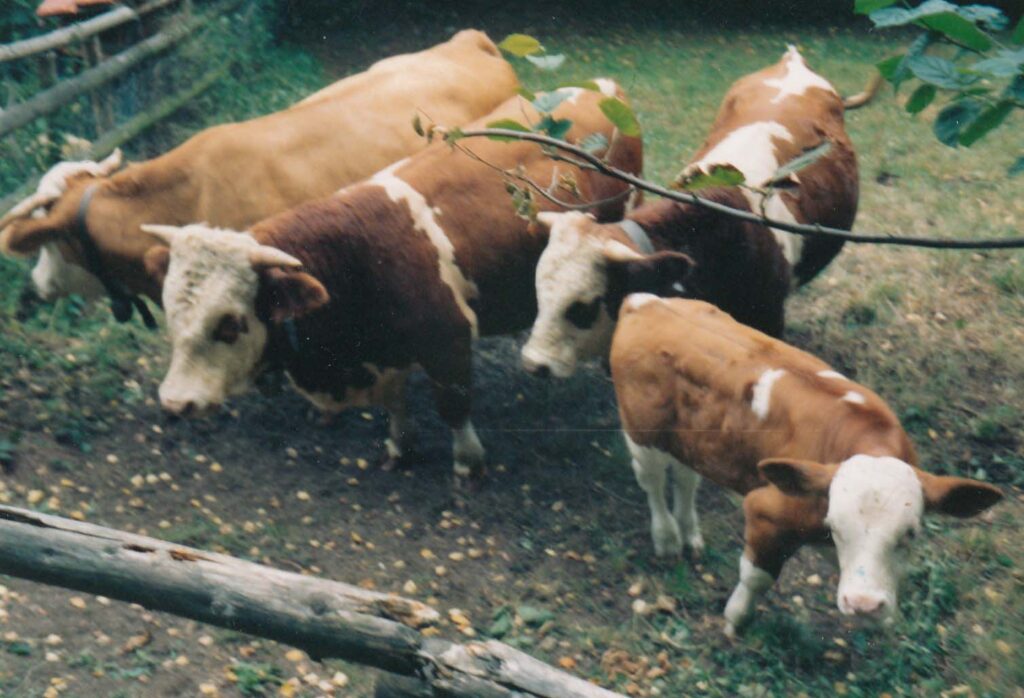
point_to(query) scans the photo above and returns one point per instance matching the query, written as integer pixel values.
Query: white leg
(753, 582)
(651, 468)
(391, 389)
(395, 443)
(467, 452)
(684, 506)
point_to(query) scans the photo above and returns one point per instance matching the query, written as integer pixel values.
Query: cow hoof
(730, 630)
(667, 539)
(695, 547)
(468, 479)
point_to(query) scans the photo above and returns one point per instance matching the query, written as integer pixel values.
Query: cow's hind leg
(392, 398)
(452, 380)
(684, 507)
(651, 468)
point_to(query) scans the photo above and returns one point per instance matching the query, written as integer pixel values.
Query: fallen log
(324, 618)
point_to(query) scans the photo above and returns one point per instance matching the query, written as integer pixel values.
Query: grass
(938, 334)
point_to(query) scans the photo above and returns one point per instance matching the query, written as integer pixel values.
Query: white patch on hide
(638, 300)
(425, 220)
(760, 403)
(798, 78)
(853, 397)
(832, 374)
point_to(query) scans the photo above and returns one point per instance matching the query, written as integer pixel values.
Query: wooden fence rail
(326, 619)
(76, 32)
(62, 93)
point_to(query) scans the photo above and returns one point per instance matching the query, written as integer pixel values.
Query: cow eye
(583, 315)
(229, 328)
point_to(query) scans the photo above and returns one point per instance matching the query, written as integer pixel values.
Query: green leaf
(806, 158)
(891, 17)
(594, 143)
(548, 62)
(714, 176)
(532, 615)
(1018, 33)
(921, 98)
(520, 45)
(621, 115)
(959, 30)
(583, 84)
(502, 624)
(866, 7)
(1017, 167)
(985, 15)
(939, 72)
(1003, 64)
(889, 67)
(985, 122)
(525, 93)
(454, 134)
(954, 118)
(1015, 90)
(417, 126)
(508, 125)
(547, 102)
(556, 128)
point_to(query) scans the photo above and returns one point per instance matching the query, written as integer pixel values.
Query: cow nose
(864, 604)
(178, 408)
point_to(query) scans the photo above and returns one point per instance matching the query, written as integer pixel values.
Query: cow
(676, 249)
(349, 292)
(84, 219)
(818, 458)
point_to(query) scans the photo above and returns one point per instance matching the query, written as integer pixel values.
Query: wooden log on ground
(326, 619)
(77, 32)
(59, 95)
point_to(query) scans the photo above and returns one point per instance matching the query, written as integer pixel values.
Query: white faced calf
(818, 458)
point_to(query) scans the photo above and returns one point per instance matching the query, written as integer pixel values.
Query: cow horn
(111, 163)
(167, 233)
(266, 256)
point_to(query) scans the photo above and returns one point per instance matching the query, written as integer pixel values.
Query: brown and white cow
(235, 174)
(818, 458)
(675, 249)
(405, 269)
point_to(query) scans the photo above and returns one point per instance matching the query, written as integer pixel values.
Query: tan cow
(405, 269)
(818, 458)
(235, 174)
(673, 249)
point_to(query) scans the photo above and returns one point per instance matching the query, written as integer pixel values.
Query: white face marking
(760, 403)
(853, 397)
(832, 374)
(875, 503)
(571, 270)
(210, 277)
(638, 300)
(425, 219)
(798, 79)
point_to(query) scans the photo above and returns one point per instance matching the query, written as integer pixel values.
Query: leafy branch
(983, 93)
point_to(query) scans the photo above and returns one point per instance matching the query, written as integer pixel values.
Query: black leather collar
(122, 302)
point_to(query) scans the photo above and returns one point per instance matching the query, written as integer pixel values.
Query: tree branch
(687, 198)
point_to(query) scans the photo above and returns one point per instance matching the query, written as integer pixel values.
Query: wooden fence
(324, 618)
(178, 23)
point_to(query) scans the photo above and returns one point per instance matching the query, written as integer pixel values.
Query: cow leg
(392, 398)
(684, 507)
(768, 545)
(452, 383)
(651, 468)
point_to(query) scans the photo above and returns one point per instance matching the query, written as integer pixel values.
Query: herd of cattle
(414, 258)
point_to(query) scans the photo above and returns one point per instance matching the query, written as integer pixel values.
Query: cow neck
(122, 301)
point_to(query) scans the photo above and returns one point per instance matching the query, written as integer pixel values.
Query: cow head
(874, 509)
(222, 293)
(583, 275)
(45, 223)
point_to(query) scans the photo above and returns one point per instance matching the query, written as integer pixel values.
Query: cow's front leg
(452, 380)
(392, 398)
(768, 545)
(684, 507)
(651, 469)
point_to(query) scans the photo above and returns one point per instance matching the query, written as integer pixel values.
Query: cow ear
(662, 273)
(797, 477)
(958, 496)
(156, 261)
(287, 295)
(25, 237)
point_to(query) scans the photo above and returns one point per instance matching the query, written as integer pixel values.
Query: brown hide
(235, 174)
(389, 306)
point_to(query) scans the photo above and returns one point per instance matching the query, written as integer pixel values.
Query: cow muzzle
(187, 409)
(873, 605)
(542, 366)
